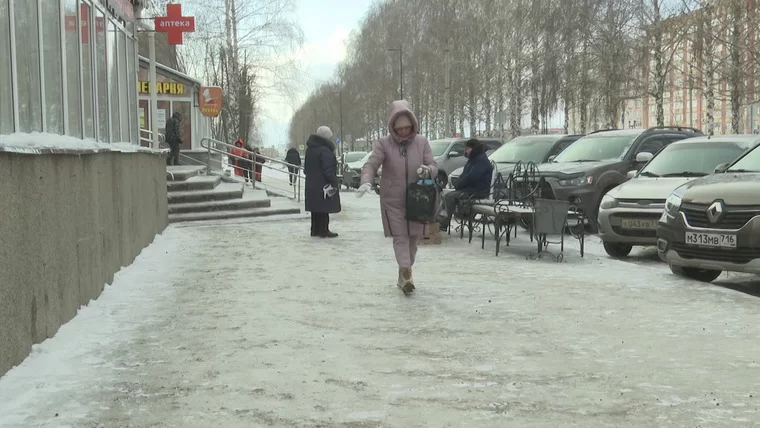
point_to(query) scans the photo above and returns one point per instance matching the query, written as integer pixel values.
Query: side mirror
(644, 157)
(720, 169)
(551, 158)
(631, 174)
(454, 154)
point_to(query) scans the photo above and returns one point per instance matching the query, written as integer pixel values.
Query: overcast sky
(326, 29)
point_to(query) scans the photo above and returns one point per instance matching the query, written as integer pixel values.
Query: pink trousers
(405, 248)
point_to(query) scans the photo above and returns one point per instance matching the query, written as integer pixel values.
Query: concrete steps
(183, 172)
(225, 205)
(195, 196)
(202, 182)
(205, 195)
(225, 215)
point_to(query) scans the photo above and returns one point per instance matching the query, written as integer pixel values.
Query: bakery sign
(162, 88)
(210, 101)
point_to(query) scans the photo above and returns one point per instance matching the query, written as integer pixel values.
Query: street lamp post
(340, 111)
(400, 67)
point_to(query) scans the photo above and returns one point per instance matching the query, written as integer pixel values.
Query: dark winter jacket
(293, 157)
(476, 176)
(172, 132)
(321, 168)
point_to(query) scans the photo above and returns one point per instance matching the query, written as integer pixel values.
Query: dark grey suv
(593, 165)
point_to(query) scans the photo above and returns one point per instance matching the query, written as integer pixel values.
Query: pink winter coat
(398, 171)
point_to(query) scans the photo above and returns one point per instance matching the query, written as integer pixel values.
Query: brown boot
(405, 281)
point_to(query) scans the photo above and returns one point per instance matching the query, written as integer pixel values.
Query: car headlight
(577, 182)
(672, 204)
(608, 202)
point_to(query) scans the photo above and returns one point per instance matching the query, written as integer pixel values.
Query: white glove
(364, 188)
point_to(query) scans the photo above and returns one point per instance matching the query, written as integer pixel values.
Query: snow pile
(39, 142)
(78, 357)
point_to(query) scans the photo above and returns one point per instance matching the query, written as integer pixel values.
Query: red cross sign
(174, 24)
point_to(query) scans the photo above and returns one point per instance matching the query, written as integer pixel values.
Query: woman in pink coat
(401, 153)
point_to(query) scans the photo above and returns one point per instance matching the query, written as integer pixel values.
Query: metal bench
(518, 202)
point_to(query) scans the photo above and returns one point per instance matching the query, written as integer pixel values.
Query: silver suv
(628, 213)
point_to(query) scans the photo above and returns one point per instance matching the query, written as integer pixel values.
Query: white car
(628, 214)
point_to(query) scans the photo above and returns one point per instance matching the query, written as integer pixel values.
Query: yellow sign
(301, 147)
(162, 88)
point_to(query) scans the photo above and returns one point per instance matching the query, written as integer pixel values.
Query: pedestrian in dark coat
(173, 138)
(294, 159)
(259, 161)
(475, 180)
(322, 187)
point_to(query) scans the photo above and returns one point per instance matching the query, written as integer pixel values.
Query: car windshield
(597, 147)
(693, 159)
(749, 163)
(354, 156)
(439, 147)
(523, 149)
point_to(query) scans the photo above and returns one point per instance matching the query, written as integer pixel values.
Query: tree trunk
(709, 68)
(737, 84)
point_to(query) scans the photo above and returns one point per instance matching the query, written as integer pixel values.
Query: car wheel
(441, 180)
(703, 275)
(617, 250)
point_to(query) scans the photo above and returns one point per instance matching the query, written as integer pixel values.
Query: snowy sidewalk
(253, 323)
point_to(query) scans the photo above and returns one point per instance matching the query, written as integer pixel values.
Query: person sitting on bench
(475, 181)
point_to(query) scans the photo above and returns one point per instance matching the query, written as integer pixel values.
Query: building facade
(176, 92)
(72, 68)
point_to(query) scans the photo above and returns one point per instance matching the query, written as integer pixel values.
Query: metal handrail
(161, 137)
(211, 144)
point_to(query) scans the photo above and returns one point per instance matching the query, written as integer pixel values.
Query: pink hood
(396, 109)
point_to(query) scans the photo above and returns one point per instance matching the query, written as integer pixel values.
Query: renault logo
(715, 212)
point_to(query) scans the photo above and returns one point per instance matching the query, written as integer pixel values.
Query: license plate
(636, 223)
(721, 240)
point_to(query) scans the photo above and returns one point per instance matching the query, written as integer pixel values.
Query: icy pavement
(252, 323)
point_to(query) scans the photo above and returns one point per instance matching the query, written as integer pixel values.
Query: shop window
(87, 70)
(124, 110)
(132, 90)
(101, 76)
(73, 79)
(52, 67)
(6, 92)
(28, 66)
(113, 81)
(164, 109)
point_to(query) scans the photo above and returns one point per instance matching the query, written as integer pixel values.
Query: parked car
(351, 158)
(352, 171)
(711, 224)
(628, 213)
(449, 154)
(596, 163)
(529, 148)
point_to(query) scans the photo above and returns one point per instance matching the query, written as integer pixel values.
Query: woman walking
(321, 170)
(401, 153)
(240, 159)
